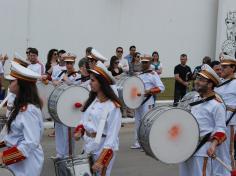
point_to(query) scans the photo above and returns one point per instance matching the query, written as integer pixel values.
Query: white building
(171, 27)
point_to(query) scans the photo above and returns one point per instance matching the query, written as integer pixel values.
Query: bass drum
(187, 99)
(131, 91)
(7, 67)
(45, 91)
(170, 135)
(61, 104)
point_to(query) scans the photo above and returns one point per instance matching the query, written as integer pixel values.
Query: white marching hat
(69, 57)
(101, 69)
(228, 60)
(208, 73)
(20, 72)
(97, 56)
(20, 60)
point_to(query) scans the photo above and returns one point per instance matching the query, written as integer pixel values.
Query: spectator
(205, 60)
(35, 65)
(156, 62)
(182, 74)
(114, 67)
(88, 51)
(123, 62)
(130, 56)
(215, 65)
(52, 60)
(83, 67)
(135, 65)
(28, 53)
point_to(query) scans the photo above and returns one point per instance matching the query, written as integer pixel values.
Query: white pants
(138, 115)
(194, 167)
(62, 140)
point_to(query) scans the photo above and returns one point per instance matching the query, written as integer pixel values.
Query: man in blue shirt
(132, 50)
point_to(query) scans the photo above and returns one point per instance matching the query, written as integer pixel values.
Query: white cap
(20, 72)
(101, 70)
(20, 60)
(208, 73)
(228, 60)
(97, 56)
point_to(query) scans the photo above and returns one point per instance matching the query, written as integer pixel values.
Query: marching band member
(227, 91)
(210, 114)
(68, 76)
(102, 107)
(85, 78)
(23, 153)
(153, 85)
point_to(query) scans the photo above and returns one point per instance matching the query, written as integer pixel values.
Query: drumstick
(4, 101)
(223, 164)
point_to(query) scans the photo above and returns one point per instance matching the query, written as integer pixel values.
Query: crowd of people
(215, 116)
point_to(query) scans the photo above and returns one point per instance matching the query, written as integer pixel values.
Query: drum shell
(4, 171)
(73, 164)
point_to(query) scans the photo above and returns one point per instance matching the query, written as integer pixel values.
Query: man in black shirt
(183, 74)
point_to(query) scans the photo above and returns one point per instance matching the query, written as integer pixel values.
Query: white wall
(169, 26)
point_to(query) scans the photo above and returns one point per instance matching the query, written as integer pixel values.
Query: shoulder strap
(203, 141)
(63, 71)
(227, 122)
(226, 82)
(72, 73)
(202, 101)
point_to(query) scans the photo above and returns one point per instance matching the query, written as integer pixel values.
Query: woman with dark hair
(114, 66)
(102, 117)
(135, 65)
(156, 63)
(52, 60)
(24, 154)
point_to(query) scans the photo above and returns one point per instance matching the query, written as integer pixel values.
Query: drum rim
(155, 157)
(7, 168)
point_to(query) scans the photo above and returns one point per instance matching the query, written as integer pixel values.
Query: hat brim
(69, 60)
(9, 77)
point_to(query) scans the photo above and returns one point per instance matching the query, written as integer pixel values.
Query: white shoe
(135, 146)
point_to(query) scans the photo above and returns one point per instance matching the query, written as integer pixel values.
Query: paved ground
(128, 162)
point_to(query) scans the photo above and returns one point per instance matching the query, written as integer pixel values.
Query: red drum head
(133, 92)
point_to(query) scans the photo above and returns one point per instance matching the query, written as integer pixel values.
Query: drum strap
(227, 122)
(202, 101)
(83, 78)
(226, 82)
(203, 141)
(147, 71)
(146, 99)
(63, 71)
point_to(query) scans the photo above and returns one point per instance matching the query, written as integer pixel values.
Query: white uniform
(123, 63)
(210, 116)
(73, 79)
(61, 131)
(56, 70)
(150, 80)
(228, 94)
(90, 121)
(38, 68)
(26, 133)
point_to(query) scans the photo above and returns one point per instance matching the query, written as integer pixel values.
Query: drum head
(174, 136)
(45, 91)
(68, 114)
(133, 86)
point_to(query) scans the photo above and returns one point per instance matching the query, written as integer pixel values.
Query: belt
(93, 134)
(230, 109)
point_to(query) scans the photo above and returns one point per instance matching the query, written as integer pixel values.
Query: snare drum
(6, 172)
(61, 104)
(131, 91)
(45, 91)
(170, 135)
(76, 166)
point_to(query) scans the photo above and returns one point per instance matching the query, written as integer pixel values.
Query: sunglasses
(119, 51)
(200, 78)
(145, 62)
(55, 54)
(27, 52)
(117, 62)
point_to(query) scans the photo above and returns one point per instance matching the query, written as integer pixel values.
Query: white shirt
(1, 67)
(124, 64)
(36, 68)
(56, 70)
(91, 119)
